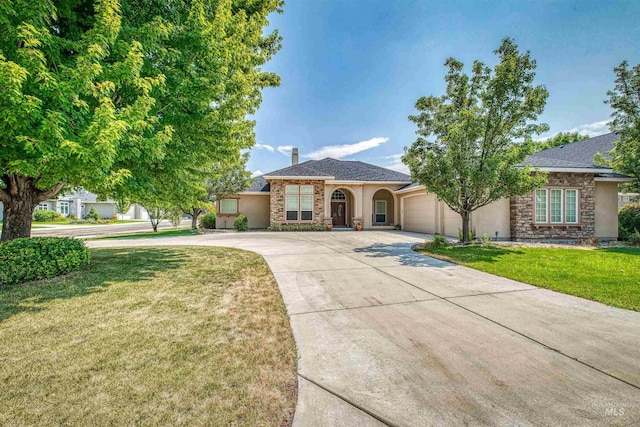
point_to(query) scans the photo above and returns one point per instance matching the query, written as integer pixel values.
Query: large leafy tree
(124, 97)
(61, 120)
(471, 138)
(625, 101)
(559, 139)
(210, 53)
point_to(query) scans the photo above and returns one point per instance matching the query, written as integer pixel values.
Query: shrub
(93, 215)
(208, 220)
(634, 238)
(628, 221)
(437, 242)
(297, 227)
(35, 258)
(241, 223)
(114, 217)
(47, 216)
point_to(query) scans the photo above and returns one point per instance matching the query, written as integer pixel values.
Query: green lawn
(162, 233)
(611, 276)
(146, 336)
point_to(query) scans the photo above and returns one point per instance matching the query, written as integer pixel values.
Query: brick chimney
(294, 156)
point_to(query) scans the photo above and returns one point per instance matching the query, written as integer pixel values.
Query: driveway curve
(390, 337)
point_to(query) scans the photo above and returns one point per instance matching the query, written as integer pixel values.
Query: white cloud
(285, 150)
(396, 163)
(593, 129)
(340, 151)
(256, 173)
(264, 147)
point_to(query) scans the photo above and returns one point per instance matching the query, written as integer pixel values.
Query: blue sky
(352, 70)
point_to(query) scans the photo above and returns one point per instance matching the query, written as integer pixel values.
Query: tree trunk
(465, 227)
(195, 213)
(20, 198)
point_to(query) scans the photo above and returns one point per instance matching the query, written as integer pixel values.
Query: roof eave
(568, 170)
(361, 182)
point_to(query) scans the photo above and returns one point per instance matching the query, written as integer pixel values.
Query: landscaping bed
(607, 275)
(146, 336)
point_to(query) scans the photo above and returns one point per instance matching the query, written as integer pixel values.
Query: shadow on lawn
(107, 266)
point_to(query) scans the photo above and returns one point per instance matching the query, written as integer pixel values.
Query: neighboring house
(625, 199)
(579, 201)
(79, 202)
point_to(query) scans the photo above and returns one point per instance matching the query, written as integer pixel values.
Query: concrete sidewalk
(389, 337)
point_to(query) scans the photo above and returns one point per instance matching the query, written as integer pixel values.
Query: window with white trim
(556, 206)
(380, 211)
(43, 207)
(229, 206)
(571, 206)
(63, 208)
(299, 202)
(541, 205)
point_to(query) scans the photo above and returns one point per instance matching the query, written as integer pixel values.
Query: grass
(610, 276)
(162, 233)
(145, 336)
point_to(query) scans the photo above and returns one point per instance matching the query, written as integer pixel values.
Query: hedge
(241, 223)
(35, 258)
(628, 221)
(297, 227)
(208, 220)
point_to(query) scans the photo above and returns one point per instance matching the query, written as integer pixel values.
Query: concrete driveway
(386, 336)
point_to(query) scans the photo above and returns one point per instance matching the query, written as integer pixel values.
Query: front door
(338, 213)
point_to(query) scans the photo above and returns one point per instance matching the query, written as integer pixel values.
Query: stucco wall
(387, 196)
(254, 207)
(419, 212)
(491, 218)
(105, 210)
(606, 202)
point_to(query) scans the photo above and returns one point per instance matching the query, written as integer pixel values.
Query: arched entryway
(341, 208)
(382, 208)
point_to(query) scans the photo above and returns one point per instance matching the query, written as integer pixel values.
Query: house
(625, 199)
(79, 202)
(579, 201)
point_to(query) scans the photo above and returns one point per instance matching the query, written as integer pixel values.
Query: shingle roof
(259, 184)
(578, 154)
(342, 170)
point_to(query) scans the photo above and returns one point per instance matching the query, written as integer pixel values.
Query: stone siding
(277, 201)
(523, 224)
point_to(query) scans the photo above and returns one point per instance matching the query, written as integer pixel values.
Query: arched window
(338, 195)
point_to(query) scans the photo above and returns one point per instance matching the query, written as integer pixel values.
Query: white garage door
(420, 213)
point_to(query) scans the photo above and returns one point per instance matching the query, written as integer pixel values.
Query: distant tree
(625, 101)
(216, 182)
(471, 138)
(559, 139)
(122, 206)
(156, 210)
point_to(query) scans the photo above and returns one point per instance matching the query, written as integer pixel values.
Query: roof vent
(294, 156)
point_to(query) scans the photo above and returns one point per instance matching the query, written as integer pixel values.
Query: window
(299, 202)
(338, 195)
(556, 206)
(43, 207)
(381, 210)
(541, 205)
(229, 206)
(571, 206)
(63, 207)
